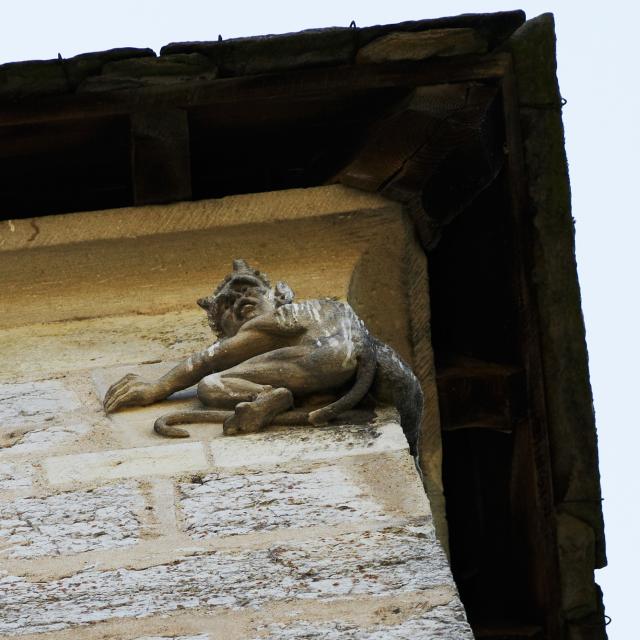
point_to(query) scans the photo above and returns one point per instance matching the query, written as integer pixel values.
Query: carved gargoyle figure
(274, 354)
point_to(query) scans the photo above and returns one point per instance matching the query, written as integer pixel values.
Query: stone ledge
(230, 211)
(278, 446)
(77, 345)
(271, 448)
(104, 466)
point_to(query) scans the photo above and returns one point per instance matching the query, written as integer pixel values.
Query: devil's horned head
(244, 294)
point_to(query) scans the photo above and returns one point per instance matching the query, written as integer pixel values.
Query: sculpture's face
(240, 301)
(244, 304)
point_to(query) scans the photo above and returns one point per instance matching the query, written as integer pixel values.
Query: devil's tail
(164, 425)
(367, 362)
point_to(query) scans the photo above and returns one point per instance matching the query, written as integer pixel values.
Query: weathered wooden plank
(532, 489)
(273, 53)
(304, 84)
(571, 423)
(400, 45)
(32, 79)
(315, 46)
(495, 27)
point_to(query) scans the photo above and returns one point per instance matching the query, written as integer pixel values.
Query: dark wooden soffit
(125, 126)
(146, 145)
(300, 85)
(426, 133)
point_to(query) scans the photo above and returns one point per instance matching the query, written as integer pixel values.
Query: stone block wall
(110, 531)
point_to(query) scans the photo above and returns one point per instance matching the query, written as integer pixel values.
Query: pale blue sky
(597, 58)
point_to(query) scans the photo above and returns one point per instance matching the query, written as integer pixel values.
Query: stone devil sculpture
(273, 354)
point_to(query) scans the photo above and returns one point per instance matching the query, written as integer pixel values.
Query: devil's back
(325, 321)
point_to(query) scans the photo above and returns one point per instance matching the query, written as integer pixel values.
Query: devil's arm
(187, 373)
(249, 342)
(132, 390)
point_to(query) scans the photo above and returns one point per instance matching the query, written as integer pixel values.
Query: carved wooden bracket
(441, 147)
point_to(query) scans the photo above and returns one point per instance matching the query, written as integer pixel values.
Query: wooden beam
(533, 506)
(295, 85)
(436, 153)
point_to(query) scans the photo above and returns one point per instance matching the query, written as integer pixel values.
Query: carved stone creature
(274, 353)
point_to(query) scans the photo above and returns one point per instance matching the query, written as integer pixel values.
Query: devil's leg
(262, 387)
